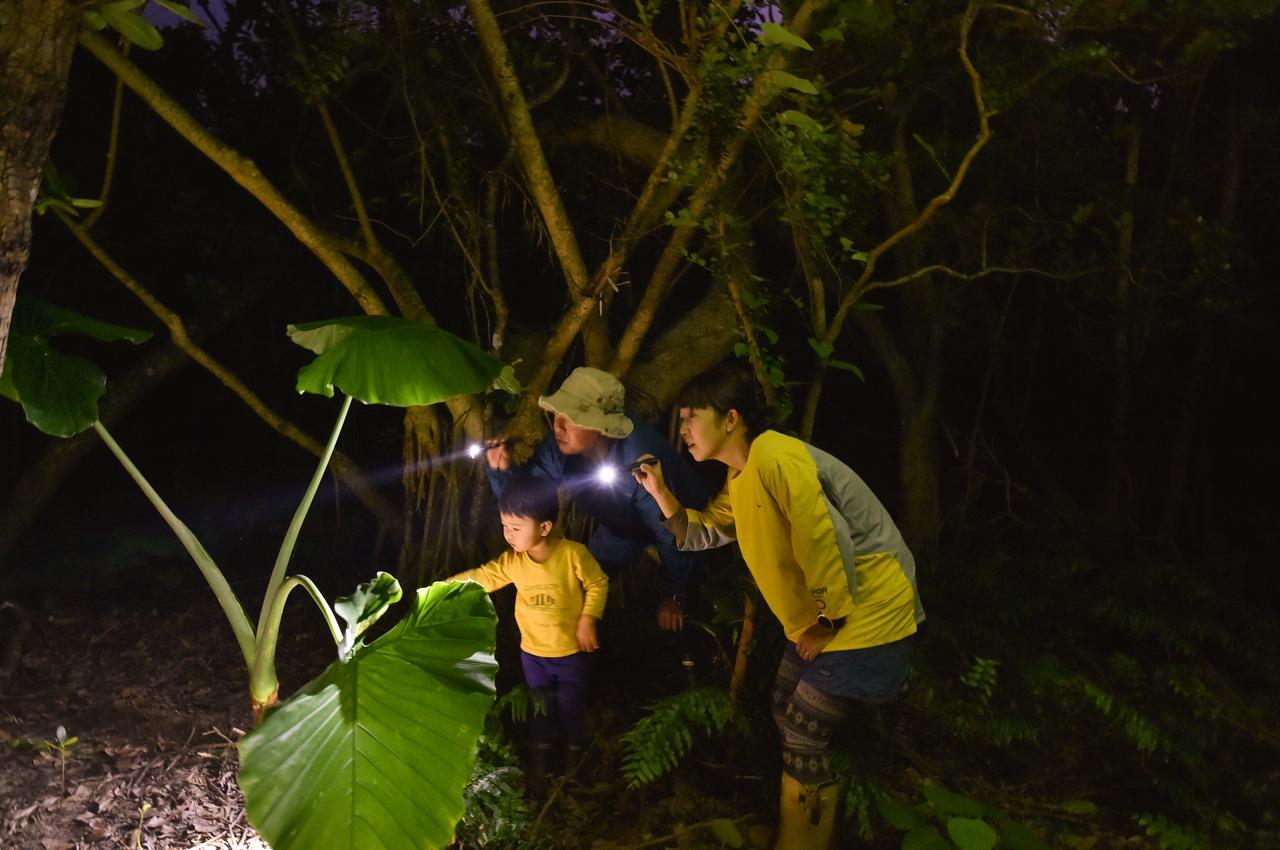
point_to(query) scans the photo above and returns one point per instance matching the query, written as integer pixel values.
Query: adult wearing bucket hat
(592, 431)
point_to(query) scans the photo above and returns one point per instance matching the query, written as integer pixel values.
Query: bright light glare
(606, 474)
(474, 450)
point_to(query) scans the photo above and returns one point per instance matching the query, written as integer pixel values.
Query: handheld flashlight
(606, 474)
(476, 449)
(644, 461)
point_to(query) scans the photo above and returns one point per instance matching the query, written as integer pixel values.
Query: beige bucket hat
(592, 399)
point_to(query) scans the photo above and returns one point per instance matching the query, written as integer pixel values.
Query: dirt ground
(156, 702)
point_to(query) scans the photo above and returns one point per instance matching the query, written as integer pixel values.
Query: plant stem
(262, 673)
(227, 598)
(264, 669)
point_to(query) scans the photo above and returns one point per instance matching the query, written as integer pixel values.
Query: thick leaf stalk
(217, 582)
(263, 682)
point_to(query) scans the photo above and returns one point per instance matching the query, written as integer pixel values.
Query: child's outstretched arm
(493, 575)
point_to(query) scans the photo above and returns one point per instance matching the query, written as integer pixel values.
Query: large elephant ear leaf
(385, 360)
(58, 392)
(377, 751)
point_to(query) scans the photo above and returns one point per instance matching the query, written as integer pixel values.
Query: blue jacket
(630, 516)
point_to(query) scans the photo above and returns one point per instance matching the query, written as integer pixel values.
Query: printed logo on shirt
(819, 597)
(542, 600)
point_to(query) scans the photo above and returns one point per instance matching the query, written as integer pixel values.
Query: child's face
(703, 431)
(523, 532)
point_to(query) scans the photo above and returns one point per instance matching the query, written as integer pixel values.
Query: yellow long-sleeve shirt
(550, 596)
(816, 540)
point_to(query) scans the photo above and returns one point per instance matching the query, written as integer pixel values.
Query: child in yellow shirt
(560, 594)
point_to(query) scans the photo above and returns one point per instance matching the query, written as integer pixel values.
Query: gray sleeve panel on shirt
(866, 526)
(696, 537)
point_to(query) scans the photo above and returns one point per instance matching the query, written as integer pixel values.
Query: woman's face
(703, 431)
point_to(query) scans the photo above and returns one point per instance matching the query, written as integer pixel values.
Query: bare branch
(342, 466)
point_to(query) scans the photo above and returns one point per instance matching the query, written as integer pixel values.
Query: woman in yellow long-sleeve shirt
(830, 564)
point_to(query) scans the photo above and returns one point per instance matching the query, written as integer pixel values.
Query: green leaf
(799, 120)
(86, 203)
(134, 27)
(507, 381)
(790, 81)
(362, 608)
(1016, 836)
(377, 751)
(868, 306)
(831, 34)
(925, 838)
(971, 834)
(822, 349)
(1080, 807)
(385, 360)
(950, 803)
(898, 814)
(33, 317)
(772, 33)
(182, 11)
(58, 392)
(726, 832)
(845, 365)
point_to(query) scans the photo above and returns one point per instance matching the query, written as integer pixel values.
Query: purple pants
(562, 685)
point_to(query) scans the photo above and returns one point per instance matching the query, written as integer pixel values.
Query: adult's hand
(651, 478)
(498, 456)
(670, 615)
(813, 641)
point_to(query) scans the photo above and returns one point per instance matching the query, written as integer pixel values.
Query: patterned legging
(806, 717)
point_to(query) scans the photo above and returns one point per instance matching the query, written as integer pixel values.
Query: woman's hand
(587, 640)
(813, 641)
(648, 471)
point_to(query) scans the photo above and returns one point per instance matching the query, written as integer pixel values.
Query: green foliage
(386, 360)
(657, 742)
(1144, 680)
(405, 712)
(944, 814)
(58, 392)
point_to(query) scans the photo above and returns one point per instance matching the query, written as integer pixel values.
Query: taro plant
(377, 750)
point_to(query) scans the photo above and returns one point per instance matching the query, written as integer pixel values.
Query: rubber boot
(538, 773)
(806, 815)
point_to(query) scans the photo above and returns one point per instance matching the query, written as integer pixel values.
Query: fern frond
(659, 740)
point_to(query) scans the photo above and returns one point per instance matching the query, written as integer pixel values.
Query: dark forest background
(1031, 302)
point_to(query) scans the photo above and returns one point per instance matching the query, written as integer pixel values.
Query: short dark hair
(530, 496)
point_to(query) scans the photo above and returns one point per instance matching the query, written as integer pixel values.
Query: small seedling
(61, 745)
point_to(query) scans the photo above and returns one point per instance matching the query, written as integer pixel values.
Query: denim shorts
(875, 674)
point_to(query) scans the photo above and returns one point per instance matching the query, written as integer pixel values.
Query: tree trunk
(1117, 471)
(37, 38)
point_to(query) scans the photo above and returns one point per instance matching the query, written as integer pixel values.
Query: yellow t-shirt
(550, 596)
